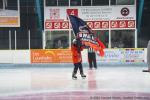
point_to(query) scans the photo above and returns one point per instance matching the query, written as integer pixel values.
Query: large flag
(84, 33)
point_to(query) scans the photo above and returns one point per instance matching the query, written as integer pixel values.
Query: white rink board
(84, 56)
(21, 56)
(6, 56)
(15, 56)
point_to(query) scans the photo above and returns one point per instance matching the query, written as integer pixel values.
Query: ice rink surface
(55, 83)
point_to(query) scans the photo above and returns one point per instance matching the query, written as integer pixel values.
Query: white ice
(56, 78)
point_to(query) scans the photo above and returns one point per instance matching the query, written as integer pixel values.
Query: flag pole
(70, 24)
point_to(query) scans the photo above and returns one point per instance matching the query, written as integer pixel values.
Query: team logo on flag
(84, 33)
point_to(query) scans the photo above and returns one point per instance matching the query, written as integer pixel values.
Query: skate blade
(74, 78)
(83, 77)
(146, 70)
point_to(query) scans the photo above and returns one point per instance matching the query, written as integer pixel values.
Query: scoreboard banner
(55, 18)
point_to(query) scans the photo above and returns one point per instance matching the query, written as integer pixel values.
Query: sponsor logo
(125, 11)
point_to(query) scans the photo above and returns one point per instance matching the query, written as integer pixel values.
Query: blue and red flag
(84, 33)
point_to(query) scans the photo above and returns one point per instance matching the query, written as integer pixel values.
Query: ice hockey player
(76, 49)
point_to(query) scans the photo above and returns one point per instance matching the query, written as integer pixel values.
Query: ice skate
(83, 76)
(74, 77)
(146, 70)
